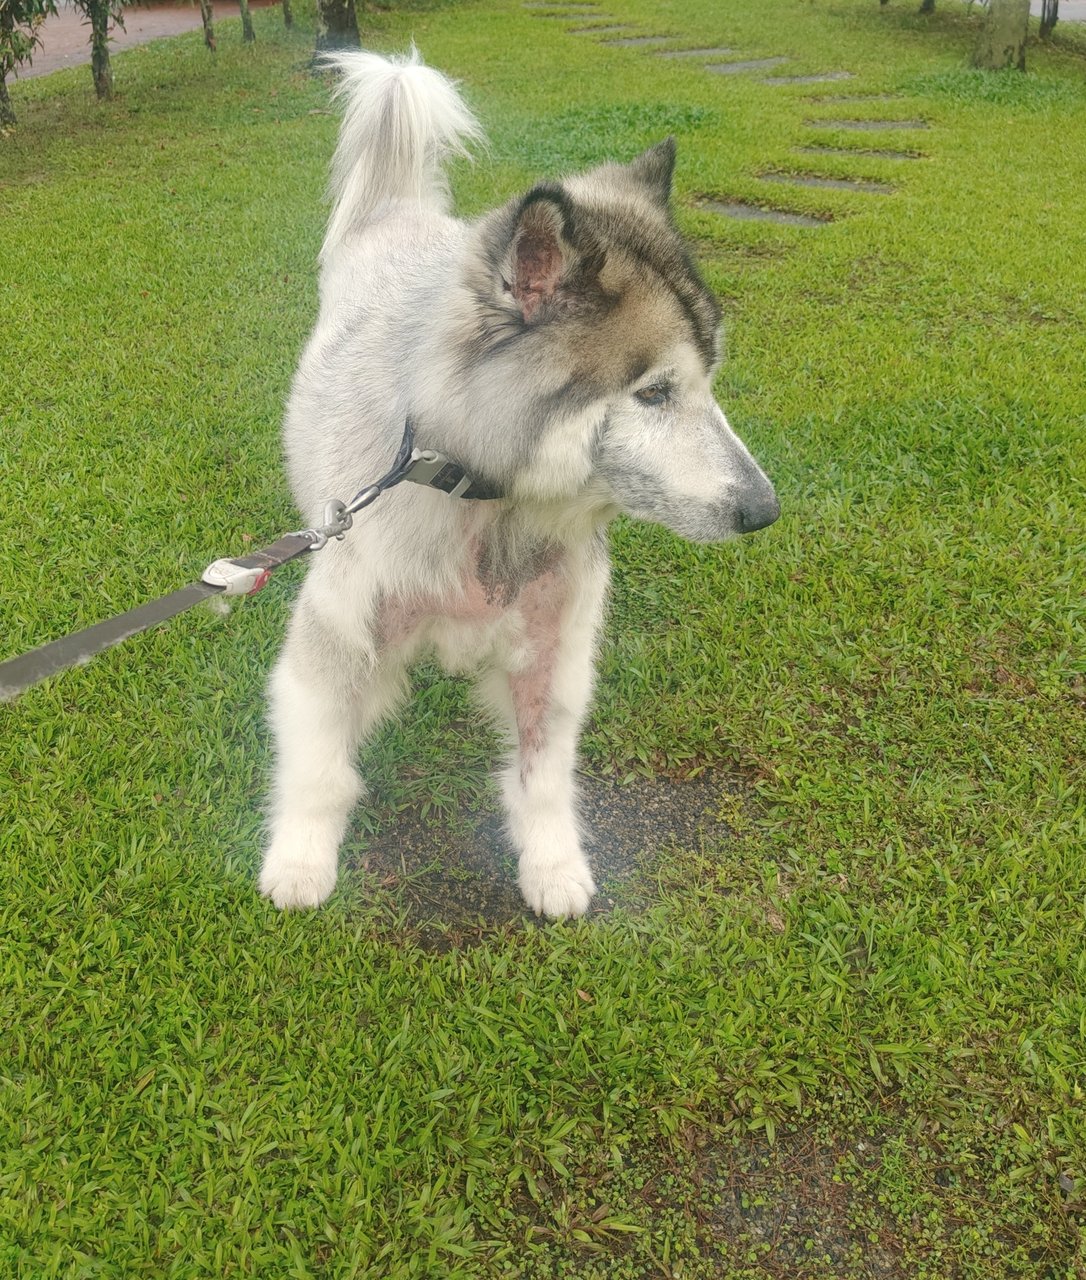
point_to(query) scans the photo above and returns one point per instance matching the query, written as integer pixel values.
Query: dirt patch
(797, 1208)
(457, 883)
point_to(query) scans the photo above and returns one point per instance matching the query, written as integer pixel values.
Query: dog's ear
(654, 169)
(550, 258)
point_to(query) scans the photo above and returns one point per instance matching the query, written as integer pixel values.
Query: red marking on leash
(262, 581)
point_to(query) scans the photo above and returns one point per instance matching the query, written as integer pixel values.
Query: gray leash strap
(244, 575)
(18, 674)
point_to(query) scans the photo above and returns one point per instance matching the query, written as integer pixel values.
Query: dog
(561, 349)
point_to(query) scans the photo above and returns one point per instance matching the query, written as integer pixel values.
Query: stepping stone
(634, 42)
(836, 184)
(861, 151)
(600, 31)
(753, 213)
(815, 79)
(830, 98)
(695, 53)
(733, 68)
(866, 125)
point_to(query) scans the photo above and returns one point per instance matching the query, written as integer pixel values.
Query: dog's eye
(655, 395)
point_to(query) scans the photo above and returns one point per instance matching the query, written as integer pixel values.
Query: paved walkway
(66, 38)
(1070, 10)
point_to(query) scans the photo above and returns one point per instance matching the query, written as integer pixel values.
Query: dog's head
(587, 287)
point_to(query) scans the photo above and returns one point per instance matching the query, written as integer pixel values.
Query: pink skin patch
(539, 605)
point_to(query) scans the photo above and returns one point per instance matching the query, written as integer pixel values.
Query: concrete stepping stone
(819, 78)
(866, 126)
(602, 31)
(828, 99)
(755, 213)
(635, 42)
(695, 53)
(835, 184)
(862, 151)
(734, 68)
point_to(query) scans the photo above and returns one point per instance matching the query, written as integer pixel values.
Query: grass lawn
(847, 1039)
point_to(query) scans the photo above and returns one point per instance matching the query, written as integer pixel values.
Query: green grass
(860, 1023)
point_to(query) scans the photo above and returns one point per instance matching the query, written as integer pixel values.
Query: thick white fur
(399, 290)
(402, 122)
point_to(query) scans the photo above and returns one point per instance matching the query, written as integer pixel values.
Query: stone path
(593, 22)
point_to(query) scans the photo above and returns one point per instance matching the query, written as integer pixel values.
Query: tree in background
(1050, 15)
(19, 23)
(207, 17)
(246, 22)
(337, 25)
(1002, 41)
(102, 14)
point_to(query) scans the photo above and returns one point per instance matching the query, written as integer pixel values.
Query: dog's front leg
(545, 697)
(325, 697)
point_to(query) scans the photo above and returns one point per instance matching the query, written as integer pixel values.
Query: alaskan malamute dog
(561, 349)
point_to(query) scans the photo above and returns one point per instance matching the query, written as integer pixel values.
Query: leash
(244, 575)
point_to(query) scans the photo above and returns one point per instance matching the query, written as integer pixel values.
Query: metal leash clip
(337, 520)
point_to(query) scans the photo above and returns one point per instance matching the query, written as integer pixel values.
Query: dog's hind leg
(544, 702)
(325, 698)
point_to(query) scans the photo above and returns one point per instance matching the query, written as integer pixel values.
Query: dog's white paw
(557, 889)
(293, 885)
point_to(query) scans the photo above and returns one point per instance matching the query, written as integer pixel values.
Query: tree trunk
(208, 16)
(288, 14)
(7, 111)
(1050, 15)
(337, 26)
(246, 22)
(1002, 42)
(100, 69)
(927, 6)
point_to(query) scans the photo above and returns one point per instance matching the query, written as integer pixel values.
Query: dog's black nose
(758, 512)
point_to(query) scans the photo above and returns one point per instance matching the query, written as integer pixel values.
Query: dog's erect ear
(654, 169)
(548, 255)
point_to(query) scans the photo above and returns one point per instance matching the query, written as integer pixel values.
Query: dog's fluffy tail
(402, 121)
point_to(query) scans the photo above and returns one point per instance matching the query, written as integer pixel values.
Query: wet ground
(457, 883)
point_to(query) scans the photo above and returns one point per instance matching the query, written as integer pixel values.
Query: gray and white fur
(561, 349)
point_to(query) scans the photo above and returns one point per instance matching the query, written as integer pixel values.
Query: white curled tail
(402, 121)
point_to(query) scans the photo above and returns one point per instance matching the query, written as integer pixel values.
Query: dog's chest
(503, 606)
